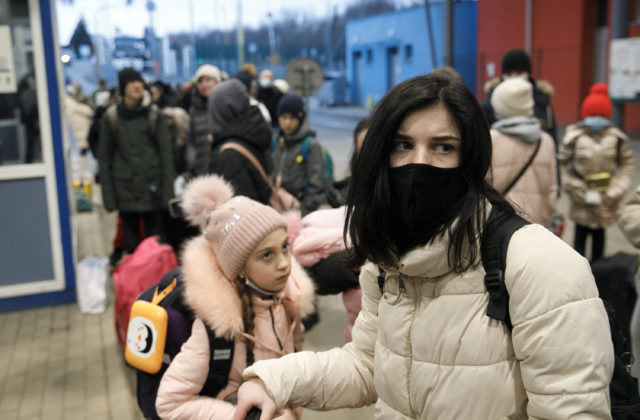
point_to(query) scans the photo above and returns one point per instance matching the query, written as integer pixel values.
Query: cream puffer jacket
(586, 153)
(436, 354)
(629, 221)
(80, 116)
(216, 303)
(536, 191)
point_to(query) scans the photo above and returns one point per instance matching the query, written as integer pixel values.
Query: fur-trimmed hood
(214, 297)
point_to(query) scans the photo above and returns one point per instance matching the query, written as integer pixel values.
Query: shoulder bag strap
(523, 170)
(494, 261)
(250, 157)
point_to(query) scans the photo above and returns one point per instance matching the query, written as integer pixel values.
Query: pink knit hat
(234, 226)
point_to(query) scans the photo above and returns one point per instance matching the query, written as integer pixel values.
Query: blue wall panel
(373, 36)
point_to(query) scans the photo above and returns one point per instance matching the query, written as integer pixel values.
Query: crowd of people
(433, 173)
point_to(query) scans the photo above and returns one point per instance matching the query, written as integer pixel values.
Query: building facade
(385, 49)
(568, 41)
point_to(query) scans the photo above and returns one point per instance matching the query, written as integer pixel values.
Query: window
(408, 53)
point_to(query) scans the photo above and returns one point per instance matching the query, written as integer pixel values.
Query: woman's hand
(253, 393)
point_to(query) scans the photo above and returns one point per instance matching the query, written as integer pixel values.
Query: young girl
(598, 169)
(241, 282)
(423, 345)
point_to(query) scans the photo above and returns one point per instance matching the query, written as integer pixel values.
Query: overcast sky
(104, 16)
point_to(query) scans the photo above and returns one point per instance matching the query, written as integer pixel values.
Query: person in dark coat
(135, 156)
(516, 63)
(233, 119)
(200, 139)
(269, 95)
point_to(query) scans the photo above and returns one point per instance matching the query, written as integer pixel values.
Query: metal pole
(192, 40)
(448, 33)
(240, 36)
(528, 13)
(432, 47)
(619, 29)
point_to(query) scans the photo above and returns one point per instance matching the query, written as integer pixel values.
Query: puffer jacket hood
(524, 128)
(141, 108)
(214, 298)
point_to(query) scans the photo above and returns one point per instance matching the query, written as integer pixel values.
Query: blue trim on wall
(37, 301)
(56, 136)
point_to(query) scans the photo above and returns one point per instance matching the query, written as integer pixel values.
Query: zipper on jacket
(418, 297)
(273, 326)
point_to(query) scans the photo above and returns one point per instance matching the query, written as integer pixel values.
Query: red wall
(561, 50)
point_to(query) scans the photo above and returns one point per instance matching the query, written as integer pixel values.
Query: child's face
(288, 123)
(269, 265)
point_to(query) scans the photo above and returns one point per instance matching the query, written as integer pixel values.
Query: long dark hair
(369, 204)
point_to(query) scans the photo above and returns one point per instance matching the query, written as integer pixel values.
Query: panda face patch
(141, 337)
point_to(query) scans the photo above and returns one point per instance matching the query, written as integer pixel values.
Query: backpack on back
(149, 262)
(623, 389)
(167, 294)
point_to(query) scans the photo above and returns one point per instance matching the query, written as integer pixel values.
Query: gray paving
(56, 363)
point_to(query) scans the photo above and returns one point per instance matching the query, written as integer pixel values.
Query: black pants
(131, 227)
(597, 241)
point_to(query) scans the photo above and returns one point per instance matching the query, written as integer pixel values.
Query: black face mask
(426, 200)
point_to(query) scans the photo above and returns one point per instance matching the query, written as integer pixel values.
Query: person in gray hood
(298, 158)
(523, 164)
(234, 120)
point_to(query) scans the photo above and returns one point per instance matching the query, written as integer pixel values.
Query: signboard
(7, 67)
(624, 70)
(305, 76)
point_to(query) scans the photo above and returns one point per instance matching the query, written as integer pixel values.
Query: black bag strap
(220, 358)
(524, 169)
(494, 261)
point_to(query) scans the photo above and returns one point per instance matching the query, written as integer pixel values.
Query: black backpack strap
(494, 261)
(221, 357)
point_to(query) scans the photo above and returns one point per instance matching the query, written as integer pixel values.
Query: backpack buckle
(494, 283)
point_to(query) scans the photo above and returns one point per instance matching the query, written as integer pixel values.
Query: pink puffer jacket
(216, 303)
(321, 236)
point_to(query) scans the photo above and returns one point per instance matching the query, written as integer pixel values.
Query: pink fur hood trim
(214, 297)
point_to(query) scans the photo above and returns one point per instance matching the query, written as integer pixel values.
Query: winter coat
(136, 169)
(233, 119)
(320, 236)
(80, 116)
(588, 152)
(536, 191)
(436, 355)
(629, 221)
(304, 179)
(200, 138)
(178, 122)
(216, 303)
(542, 110)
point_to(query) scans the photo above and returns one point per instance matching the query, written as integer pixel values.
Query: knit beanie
(516, 60)
(234, 226)
(245, 78)
(128, 75)
(209, 71)
(291, 104)
(513, 97)
(597, 102)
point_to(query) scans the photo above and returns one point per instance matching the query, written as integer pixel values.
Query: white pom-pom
(203, 195)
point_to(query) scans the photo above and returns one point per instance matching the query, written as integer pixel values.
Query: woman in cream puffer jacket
(426, 348)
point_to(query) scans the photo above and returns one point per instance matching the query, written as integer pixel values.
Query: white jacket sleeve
(340, 377)
(629, 221)
(561, 330)
(182, 382)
